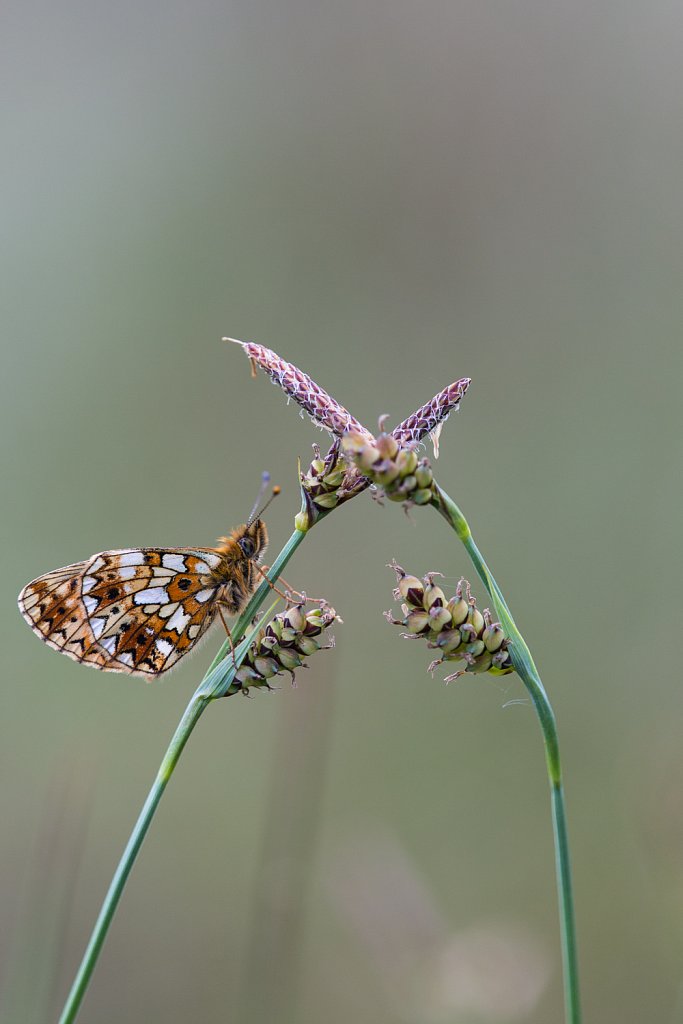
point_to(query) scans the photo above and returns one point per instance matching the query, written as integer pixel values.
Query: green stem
(216, 683)
(111, 900)
(527, 671)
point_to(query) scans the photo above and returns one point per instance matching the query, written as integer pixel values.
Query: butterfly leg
(290, 589)
(227, 630)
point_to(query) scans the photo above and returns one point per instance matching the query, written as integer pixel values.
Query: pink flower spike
(321, 407)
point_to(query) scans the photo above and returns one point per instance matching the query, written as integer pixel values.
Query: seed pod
(476, 619)
(266, 667)
(502, 662)
(417, 622)
(307, 645)
(422, 497)
(289, 659)
(387, 446)
(328, 501)
(493, 637)
(411, 590)
(439, 618)
(433, 595)
(406, 460)
(449, 640)
(468, 633)
(459, 609)
(334, 479)
(481, 664)
(423, 475)
(408, 484)
(476, 648)
(246, 675)
(295, 618)
(385, 472)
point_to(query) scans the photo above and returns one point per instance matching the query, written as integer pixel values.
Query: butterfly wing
(137, 610)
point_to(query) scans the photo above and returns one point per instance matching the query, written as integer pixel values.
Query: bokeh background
(391, 195)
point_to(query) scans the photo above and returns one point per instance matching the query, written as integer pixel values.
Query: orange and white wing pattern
(136, 611)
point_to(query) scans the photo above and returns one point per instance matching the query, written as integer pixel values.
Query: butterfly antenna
(257, 511)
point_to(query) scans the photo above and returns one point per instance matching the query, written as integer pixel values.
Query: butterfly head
(248, 541)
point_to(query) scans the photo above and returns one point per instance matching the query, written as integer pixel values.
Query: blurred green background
(392, 196)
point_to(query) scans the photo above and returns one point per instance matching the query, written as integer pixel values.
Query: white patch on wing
(179, 620)
(160, 572)
(174, 562)
(153, 596)
(88, 583)
(97, 564)
(164, 648)
(212, 561)
(109, 644)
(126, 658)
(168, 609)
(127, 572)
(97, 625)
(205, 595)
(192, 631)
(91, 604)
(131, 558)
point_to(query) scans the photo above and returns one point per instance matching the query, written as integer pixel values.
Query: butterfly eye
(247, 546)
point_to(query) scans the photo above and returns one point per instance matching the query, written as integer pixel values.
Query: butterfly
(139, 610)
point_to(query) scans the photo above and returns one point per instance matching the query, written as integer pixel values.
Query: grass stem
(528, 673)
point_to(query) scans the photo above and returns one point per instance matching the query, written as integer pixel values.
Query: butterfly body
(139, 610)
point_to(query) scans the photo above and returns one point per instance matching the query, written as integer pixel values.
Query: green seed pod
(417, 622)
(387, 445)
(326, 500)
(476, 619)
(385, 472)
(459, 610)
(424, 475)
(248, 676)
(289, 659)
(481, 664)
(307, 645)
(433, 595)
(468, 633)
(366, 458)
(316, 467)
(295, 618)
(302, 522)
(502, 661)
(476, 648)
(266, 667)
(449, 640)
(288, 635)
(334, 478)
(493, 637)
(439, 618)
(406, 460)
(275, 627)
(422, 497)
(408, 484)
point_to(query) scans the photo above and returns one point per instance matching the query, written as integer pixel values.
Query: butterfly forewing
(137, 610)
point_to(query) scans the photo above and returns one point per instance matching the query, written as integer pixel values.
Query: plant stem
(216, 683)
(528, 673)
(111, 900)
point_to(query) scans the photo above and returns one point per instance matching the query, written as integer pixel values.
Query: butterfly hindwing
(136, 610)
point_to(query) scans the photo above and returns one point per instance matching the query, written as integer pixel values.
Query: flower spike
(324, 410)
